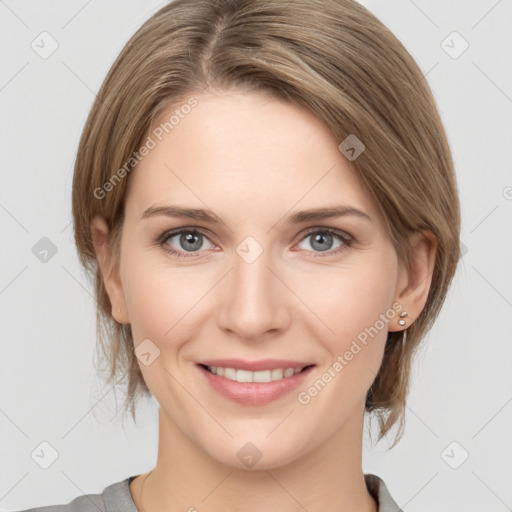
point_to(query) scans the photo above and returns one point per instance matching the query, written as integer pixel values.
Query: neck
(330, 477)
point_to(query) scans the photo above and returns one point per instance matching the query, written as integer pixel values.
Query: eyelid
(206, 232)
(177, 231)
(320, 229)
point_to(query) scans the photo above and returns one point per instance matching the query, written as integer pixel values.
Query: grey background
(462, 382)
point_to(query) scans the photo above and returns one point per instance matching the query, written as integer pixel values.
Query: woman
(265, 198)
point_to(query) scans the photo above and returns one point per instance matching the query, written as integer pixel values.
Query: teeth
(247, 376)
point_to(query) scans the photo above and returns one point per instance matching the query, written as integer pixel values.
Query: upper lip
(255, 366)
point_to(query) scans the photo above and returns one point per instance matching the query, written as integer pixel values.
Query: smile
(254, 388)
(240, 375)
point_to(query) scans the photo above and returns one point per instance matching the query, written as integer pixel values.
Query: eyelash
(347, 240)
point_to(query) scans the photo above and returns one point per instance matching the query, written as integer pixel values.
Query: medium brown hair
(331, 57)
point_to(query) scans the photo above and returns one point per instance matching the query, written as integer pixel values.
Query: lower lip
(254, 393)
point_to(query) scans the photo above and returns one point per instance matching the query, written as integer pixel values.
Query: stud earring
(402, 315)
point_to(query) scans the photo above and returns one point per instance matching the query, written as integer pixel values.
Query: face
(259, 283)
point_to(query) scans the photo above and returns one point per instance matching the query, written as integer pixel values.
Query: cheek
(352, 300)
(365, 295)
(355, 304)
(159, 298)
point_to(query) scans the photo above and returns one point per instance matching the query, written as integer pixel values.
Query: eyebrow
(295, 218)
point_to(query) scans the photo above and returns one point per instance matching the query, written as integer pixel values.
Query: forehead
(246, 150)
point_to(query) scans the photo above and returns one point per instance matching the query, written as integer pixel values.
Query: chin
(259, 454)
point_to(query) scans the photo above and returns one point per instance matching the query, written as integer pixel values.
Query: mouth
(260, 376)
(255, 387)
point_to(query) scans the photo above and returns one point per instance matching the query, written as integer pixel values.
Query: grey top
(117, 498)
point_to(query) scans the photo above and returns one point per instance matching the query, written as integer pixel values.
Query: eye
(322, 240)
(187, 241)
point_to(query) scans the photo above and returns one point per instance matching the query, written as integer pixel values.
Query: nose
(254, 302)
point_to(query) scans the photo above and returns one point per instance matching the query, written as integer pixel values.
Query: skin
(253, 160)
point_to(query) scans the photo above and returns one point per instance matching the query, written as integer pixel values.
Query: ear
(413, 285)
(111, 278)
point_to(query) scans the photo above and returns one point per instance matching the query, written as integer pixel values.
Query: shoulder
(116, 497)
(377, 488)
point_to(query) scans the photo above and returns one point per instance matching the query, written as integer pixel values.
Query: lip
(256, 366)
(255, 393)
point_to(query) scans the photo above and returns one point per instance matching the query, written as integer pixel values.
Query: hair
(333, 58)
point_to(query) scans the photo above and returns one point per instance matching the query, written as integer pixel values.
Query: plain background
(461, 391)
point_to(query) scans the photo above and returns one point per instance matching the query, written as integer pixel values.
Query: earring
(402, 315)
